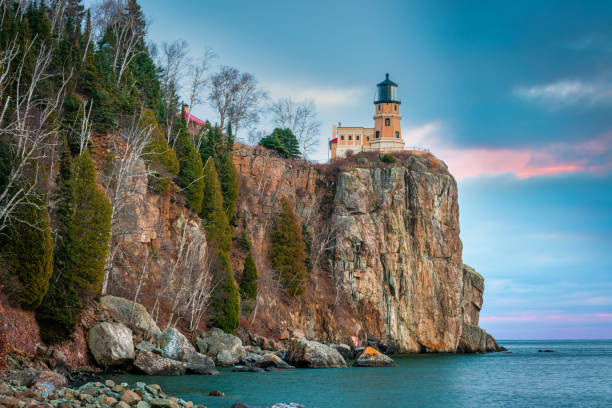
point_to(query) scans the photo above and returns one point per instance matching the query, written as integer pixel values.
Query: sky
(516, 98)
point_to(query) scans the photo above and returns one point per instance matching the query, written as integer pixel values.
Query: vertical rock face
(391, 266)
(398, 246)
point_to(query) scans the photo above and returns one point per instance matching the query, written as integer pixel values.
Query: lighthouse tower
(387, 128)
(385, 136)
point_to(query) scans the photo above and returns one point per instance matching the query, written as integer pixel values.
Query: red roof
(333, 140)
(192, 118)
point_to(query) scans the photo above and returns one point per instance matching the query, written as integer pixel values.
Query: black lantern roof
(387, 91)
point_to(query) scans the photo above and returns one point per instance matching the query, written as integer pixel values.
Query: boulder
(111, 344)
(371, 357)
(225, 359)
(174, 345)
(216, 340)
(154, 364)
(23, 378)
(272, 360)
(310, 354)
(49, 380)
(344, 350)
(135, 315)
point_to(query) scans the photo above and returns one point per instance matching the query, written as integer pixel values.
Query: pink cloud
(542, 318)
(592, 156)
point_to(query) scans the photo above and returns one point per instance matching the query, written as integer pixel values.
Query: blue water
(577, 374)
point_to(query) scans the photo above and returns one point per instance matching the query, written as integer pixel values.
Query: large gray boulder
(304, 353)
(272, 360)
(154, 364)
(111, 344)
(370, 357)
(216, 341)
(174, 345)
(345, 351)
(122, 309)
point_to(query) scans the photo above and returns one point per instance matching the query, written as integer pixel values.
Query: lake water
(577, 374)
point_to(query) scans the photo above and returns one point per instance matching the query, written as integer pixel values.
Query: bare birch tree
(123, 184)
(199, 81)
(172, 60)
(127, 31)
(301, 118)
(27, 130)
(236, 98)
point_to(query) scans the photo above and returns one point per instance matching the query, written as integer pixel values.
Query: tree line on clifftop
(68, 74)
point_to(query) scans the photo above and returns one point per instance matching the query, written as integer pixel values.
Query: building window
(368, 138)
(395, 107)
(350, 137)
(379, 107)
(397, 134)
(387, 122)
(342, 137)
(357, 137)
(377, 134)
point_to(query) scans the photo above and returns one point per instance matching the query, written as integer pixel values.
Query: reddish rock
(371, 357)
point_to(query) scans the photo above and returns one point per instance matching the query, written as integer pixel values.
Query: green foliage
(244, 241)
(221, 151)
(387, 158)
(225, 303)
(213, 215)
(248, 285)
(288, 252)
(191, 169)
(307, 237)
(160, 157)
(282, 141)
(83, 234)
(28, 251)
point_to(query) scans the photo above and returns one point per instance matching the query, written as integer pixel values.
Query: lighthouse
(385, 136)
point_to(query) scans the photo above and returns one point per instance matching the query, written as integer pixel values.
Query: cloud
(567, 92)
(322, 96)
(592, 155)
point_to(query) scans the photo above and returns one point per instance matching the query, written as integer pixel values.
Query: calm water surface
(577, 374)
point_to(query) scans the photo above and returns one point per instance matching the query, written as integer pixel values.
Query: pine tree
(225, 302)
(212, 213)
(282, 141)
(248, 285)
(83, 233)
(288, 254)
(191, 169)
(28, 251)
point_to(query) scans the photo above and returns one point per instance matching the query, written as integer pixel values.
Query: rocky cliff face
(386, 250)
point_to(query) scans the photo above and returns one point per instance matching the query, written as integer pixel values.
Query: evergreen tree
(83, 233)
(248, 285)
(28, 251)
(282, 141)
(221, 151)
(225, 302)
(191, 169)
(288, 254)
(213, 215)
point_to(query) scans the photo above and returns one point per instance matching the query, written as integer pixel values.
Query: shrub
(288, 252)
(248, 285)
(244, 241)
(387, 158)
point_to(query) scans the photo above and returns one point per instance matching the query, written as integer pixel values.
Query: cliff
(386, 266)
